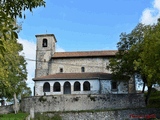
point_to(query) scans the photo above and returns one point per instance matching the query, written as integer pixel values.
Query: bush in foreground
(12, 116)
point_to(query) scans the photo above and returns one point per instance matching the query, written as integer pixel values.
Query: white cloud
(59, 49)
(150, 15)
(157, 4)
(29, 51)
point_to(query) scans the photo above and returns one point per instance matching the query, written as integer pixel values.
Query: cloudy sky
(82, 25)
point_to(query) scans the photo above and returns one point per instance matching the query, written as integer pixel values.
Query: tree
(13, 71)
(9, 11)
(13, 66)
(149, 61)
(122, 66)
(136, 54)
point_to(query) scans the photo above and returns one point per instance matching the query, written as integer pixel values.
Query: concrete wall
(97, 87)
(82, 102)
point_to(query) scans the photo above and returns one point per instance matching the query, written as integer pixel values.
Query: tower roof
(46, 35)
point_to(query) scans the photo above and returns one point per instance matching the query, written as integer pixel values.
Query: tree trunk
(15, 104)
(148, 94)
(144, 84)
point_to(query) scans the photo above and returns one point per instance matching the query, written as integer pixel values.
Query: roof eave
(44, 79)
(54, 57)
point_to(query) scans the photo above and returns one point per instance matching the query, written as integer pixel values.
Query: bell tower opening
(44, 44)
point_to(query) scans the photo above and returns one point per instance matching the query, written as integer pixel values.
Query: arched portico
(67, 88)
(46, 87)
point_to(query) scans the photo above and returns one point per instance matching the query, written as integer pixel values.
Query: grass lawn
(12, 116)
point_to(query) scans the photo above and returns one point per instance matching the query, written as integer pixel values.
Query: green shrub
(12, 116)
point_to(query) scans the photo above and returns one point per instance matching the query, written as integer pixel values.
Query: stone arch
(86, 86)
(46, 87)
(77, 86)
(56, 87)
(67, 88)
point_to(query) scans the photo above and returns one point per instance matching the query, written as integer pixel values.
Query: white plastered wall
(96, 87)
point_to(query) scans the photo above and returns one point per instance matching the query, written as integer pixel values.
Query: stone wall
(130, 114)
(73, 65)
(6, 109)
(82, 102)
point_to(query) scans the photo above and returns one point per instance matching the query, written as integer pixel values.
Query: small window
(86, 86)
(61, 70)
(77, 86)
(56, 87)
(46, 87)
(44, 44)
(82, 69)
(114, 85)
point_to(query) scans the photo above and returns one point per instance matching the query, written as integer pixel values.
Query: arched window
(56, 87)
(86, 86)
(44, 44)
(82, 69)
(46, 87)
(77, 86)
(67, 88)
(61, 70)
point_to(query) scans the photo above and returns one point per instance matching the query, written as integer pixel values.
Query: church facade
(82, 72)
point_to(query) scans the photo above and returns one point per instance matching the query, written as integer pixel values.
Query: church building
(82, 72)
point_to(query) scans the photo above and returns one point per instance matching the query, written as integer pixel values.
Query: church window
(82, 69)
(61, 70)
(77, 86)
(56, 87)
(44, 44)
(86, 86)
(46, 87)
(114, 85)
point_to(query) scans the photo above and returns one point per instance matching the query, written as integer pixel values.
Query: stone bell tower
(44, 51)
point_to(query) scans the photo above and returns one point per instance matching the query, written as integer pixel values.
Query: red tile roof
(108, 53)
(69, 76)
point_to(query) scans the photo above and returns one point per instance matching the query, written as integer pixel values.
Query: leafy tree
(13, 71)
(149, 61)
(122, 66)
(9, 11)
(137, 55)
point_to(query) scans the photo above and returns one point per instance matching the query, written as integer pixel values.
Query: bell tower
(44, 51)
